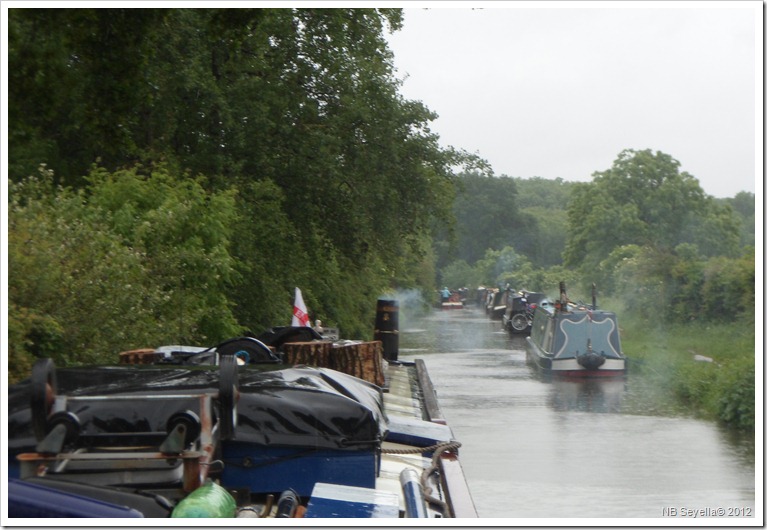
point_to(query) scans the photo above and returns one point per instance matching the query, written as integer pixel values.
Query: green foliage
(303, 98)
(681, 285)
(139, 260)
(500, 268)
(663, 363)
(744, 207)
(269, 257)
(459, 274)
(545, 239)
(645, 200)
(183, 234)
(496, 212)
(30, 336)
(736, 403)
(646, 232)
(317, 173)
(486, 216)
(728, 287)
(548, 194)
(543, 203)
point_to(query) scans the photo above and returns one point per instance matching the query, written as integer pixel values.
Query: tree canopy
(645, 200)
(230, 155)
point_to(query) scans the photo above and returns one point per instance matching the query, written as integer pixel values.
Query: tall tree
(76, 80)
(487, 216)
(545, 202)
(338, 176)
(744, 206)
(644, 200)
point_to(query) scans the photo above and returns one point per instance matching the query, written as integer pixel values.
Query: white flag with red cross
(300, 314)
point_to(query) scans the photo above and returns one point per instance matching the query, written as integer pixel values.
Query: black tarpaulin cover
(294, 407)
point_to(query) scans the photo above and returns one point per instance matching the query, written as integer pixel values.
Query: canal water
(533, 448)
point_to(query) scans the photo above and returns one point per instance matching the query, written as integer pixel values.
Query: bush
(736, 402)
(723, 389)
(30, 336)
(132, 261)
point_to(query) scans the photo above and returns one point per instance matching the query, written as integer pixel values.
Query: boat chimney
(594, 296)
(562, 297)
(387, 328)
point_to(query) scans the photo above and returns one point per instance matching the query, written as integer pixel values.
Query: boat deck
(419, 439)
(409, 469)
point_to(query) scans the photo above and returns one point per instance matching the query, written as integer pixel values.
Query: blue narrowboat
(233, 431)
(575, 340)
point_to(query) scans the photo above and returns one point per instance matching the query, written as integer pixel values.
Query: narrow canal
(560, 449)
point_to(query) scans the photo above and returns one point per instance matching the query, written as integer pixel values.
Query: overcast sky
(560, 92)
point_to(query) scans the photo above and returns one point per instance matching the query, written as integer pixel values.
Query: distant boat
(451, 299)
(496, 303)
(520, 308)
(575, 340)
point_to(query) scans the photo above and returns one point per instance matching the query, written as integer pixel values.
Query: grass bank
(719, 385)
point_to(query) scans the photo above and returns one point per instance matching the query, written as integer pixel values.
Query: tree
(744, 206)
(543, 202)
(487, 216)
(460, 274)
(644, 200)
(77, 87)
(288, 122)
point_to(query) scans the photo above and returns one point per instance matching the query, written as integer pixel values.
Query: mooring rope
(442, 446)
(438, 449)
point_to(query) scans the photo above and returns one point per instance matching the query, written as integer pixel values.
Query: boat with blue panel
(232, 431)
(575, 340)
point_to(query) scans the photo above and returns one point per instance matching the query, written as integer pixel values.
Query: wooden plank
(430, 401)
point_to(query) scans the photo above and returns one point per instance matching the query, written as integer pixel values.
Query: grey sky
(559, 92)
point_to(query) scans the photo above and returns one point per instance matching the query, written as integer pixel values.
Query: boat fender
(209, 500)
(243, 357)
(43, 390)
(591, 360)
(253, 511)
(228, 395)
(287, 504)
(63, 428)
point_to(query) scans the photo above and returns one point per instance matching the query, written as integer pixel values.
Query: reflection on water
(589, 395)
(569, 449)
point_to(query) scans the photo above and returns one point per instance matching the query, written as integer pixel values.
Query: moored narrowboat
(520, 309)
(240, 430)
(575, 340)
